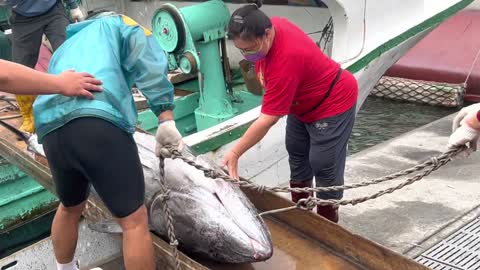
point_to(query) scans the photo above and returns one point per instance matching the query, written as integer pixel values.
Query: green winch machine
(194, 38)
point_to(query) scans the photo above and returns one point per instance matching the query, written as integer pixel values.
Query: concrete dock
(411, 220)
(417, 217)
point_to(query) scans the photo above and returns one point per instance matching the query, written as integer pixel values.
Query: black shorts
(92, 151)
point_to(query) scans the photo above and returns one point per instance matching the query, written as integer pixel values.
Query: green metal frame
(185, 106)
(191, 36)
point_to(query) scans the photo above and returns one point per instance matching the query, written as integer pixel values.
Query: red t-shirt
(296, 75)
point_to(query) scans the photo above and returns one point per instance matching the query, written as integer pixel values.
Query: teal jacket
(119, 52)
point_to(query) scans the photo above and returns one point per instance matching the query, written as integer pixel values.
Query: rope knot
(174, 243)
(307, 203)
(165, 196)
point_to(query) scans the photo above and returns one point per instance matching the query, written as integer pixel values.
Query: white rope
(471, 68)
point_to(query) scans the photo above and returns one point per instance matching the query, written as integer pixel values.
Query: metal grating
(459, 251)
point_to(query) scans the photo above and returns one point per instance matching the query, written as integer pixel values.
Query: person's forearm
(165, 116)
(473, 120)
(21, 80)
(252, 136)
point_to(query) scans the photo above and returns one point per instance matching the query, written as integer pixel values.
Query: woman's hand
(231, 161)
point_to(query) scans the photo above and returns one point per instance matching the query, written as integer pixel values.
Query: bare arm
(255, 133)
(251, 137)
(21, 80)
(473, 120)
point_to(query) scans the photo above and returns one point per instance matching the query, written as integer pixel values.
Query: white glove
(77, 14)
(460, 117)
(168, 139)
(463, 135)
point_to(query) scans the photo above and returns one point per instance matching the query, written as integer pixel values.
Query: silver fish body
(211, 217)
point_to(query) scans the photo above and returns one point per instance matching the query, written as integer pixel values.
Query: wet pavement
(406, 220)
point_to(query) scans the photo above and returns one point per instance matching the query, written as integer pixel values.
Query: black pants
(92, 151)
(27, 33)
(319, 149)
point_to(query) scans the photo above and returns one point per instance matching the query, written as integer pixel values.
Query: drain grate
(459, 251)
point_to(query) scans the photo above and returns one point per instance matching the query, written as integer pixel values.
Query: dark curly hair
(248, 22)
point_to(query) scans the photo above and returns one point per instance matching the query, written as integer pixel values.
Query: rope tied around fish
(163, 194)
(307, 204)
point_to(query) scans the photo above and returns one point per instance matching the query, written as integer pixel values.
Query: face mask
(254, 56)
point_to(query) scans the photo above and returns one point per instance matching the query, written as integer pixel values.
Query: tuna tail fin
(106, 226)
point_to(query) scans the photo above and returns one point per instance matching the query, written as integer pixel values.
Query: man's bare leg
(137, 242)
(65, 232)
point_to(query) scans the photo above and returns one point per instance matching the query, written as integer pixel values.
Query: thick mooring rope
(427, 167)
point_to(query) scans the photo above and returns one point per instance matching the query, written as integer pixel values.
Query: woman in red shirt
(305, 84)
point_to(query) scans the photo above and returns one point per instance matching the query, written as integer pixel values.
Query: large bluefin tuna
(211, 217)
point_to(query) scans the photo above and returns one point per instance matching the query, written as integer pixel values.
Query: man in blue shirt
(31, 19)
(90, 142)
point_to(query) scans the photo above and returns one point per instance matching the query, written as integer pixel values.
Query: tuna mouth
(261, 252)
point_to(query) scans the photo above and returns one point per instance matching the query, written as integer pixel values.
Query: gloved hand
(77, 14)
(168, 139)
(463, 135)
(460, 117)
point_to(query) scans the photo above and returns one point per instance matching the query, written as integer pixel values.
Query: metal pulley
(188, 63)
(192, 37)
(169, 28)
(181, 31)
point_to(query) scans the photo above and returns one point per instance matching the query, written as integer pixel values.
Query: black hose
(22, 135)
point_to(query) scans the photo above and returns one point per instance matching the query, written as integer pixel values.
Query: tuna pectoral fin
(106, 226)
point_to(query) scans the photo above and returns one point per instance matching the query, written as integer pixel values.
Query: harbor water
(380, 120)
